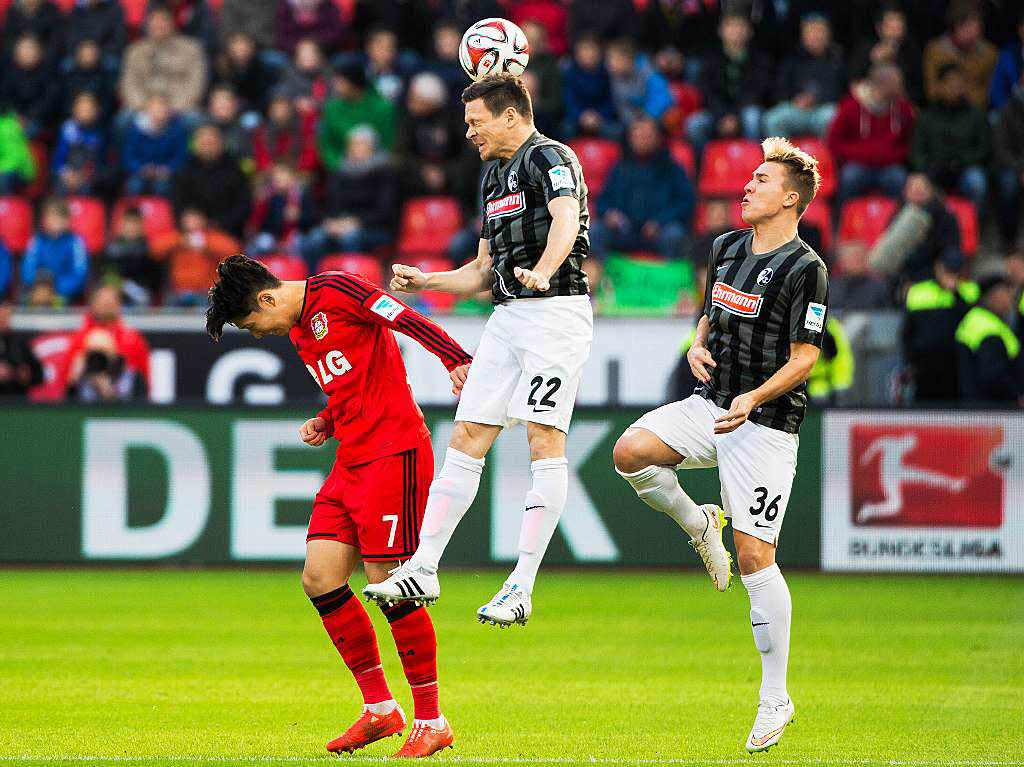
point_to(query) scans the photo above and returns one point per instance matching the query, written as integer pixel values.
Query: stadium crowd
(140, 143)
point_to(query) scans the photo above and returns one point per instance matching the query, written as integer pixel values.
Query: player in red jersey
(371, 505)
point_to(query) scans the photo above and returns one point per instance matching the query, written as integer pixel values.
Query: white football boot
(769, 725)
(710, 547)
(509, 606)
(405, 584)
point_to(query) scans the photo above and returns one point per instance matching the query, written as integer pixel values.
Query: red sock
(350, 629)
(417, 647)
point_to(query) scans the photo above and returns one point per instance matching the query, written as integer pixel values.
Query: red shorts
(376, 506)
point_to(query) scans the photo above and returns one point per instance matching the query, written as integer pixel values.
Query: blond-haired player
(759, 336)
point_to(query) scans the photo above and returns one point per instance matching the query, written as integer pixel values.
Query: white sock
(384, 707)
(437, 724)
(451, 495)
(770, 612)
(545, 503)
(658, 487)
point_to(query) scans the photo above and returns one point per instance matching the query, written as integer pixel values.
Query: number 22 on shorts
(553, 384)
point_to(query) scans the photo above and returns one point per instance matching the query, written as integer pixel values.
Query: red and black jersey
(344, 337)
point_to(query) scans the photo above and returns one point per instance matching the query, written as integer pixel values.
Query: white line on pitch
(509, 760)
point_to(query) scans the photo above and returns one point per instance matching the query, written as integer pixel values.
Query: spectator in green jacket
(17, 167)
(952, 142)
(355, 102)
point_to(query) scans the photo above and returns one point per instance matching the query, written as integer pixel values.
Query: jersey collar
(519, 152)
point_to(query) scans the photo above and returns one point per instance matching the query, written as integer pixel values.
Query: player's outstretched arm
(465, 281)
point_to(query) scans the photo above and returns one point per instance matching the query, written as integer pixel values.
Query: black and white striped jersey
(515, 218)
(756, 306)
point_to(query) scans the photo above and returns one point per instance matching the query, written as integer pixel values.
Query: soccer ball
(493, 46)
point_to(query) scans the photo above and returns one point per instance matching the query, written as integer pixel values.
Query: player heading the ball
(759, 336)
(527, 367)
(371, 505)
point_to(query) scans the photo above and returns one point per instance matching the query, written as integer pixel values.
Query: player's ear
(266, 298)
(510, 116)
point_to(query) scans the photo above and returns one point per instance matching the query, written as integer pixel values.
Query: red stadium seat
(15, 223)
(157, 214)
(820, 214)
(363, 264)
(285, 267)
(41, 159)
(435, 301)
(967, 218)
(865, 218)
(727, 166)
(597, 157)
(64, 6)
(826, 165)
(682, 153)
(89, 221)
(428, 224)
(735, 216)
(134, 12)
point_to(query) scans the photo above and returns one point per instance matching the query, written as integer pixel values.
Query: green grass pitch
(232, 667)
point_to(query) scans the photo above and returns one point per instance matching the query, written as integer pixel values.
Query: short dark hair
(500, 92)
(960, 11)
(233, 295)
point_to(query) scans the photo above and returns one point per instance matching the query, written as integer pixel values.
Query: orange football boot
(367, 729)
(425, 741)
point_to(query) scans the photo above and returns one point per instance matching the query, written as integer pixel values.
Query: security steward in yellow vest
(934, 309)
(833, 372)
(988, 350)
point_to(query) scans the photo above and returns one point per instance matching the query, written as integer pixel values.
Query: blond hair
(802, 167)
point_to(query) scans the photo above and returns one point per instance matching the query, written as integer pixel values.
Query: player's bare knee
(545, 441)
(473, 439)
(752, 554)
(628, 453)
(317, 580)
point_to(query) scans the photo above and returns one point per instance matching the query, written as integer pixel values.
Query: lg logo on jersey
(330, 365)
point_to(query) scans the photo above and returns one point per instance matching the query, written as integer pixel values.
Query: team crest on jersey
(506, 206)
(735, 301)
(765, 276)
(513, 181)
(319, 325)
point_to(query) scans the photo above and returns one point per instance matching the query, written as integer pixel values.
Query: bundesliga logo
(735, 301)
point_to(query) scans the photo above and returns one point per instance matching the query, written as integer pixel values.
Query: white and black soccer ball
(493, 46)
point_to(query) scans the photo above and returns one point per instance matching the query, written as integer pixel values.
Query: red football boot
(425, 741)
(367, 729)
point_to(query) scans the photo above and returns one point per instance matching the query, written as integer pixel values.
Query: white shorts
(529, 363)
(756, 464)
